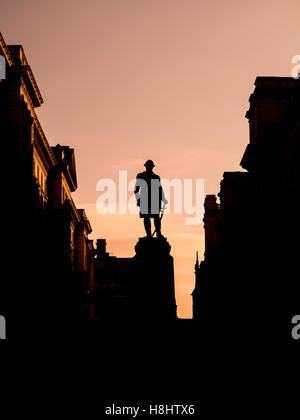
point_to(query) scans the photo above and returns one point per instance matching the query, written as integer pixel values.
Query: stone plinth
(153, 292)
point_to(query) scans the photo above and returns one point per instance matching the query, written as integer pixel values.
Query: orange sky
(128, 80)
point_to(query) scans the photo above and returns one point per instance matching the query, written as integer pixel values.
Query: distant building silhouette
(250, 264)
(109, 285)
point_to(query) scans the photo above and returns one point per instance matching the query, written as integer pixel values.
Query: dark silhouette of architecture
(137, 289)
(61, 283)
(149, 195)
(110, 279)
(48, 247)
(59, 286)
(204, 296)
(249, 271)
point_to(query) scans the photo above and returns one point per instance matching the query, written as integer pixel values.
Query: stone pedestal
(153, 292)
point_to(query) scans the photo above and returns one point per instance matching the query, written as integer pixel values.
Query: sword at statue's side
(161, 216)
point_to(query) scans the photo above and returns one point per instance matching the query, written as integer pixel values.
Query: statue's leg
(157, 224)
(147, 224)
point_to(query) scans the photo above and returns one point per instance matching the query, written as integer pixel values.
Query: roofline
(85, 220)
(286, 81)
(26, 70)
(26, 67)
(6, 51)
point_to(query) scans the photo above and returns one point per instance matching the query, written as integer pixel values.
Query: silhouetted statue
(149, 195)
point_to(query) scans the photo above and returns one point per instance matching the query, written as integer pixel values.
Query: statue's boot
(159, 235)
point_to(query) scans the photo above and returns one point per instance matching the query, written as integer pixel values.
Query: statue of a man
(149, 195)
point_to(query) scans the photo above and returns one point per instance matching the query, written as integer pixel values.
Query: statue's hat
(149, 164)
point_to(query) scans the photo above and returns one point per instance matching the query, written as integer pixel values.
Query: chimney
(101, 248)
(211, 202)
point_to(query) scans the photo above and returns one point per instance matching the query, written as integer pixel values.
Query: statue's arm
(162, 194)
(137, 191)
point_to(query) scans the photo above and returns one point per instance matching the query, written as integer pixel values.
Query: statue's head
(149, 164)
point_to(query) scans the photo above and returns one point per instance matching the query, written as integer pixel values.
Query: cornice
(28, 77)
(75, 211)
(6, 51)
(44, 140)
(85, 221)
(38, 125)
(69, 178)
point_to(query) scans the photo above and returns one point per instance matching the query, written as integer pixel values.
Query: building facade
(250, 262)
(49, 235)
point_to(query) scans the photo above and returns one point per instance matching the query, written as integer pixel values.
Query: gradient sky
(128, 80)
